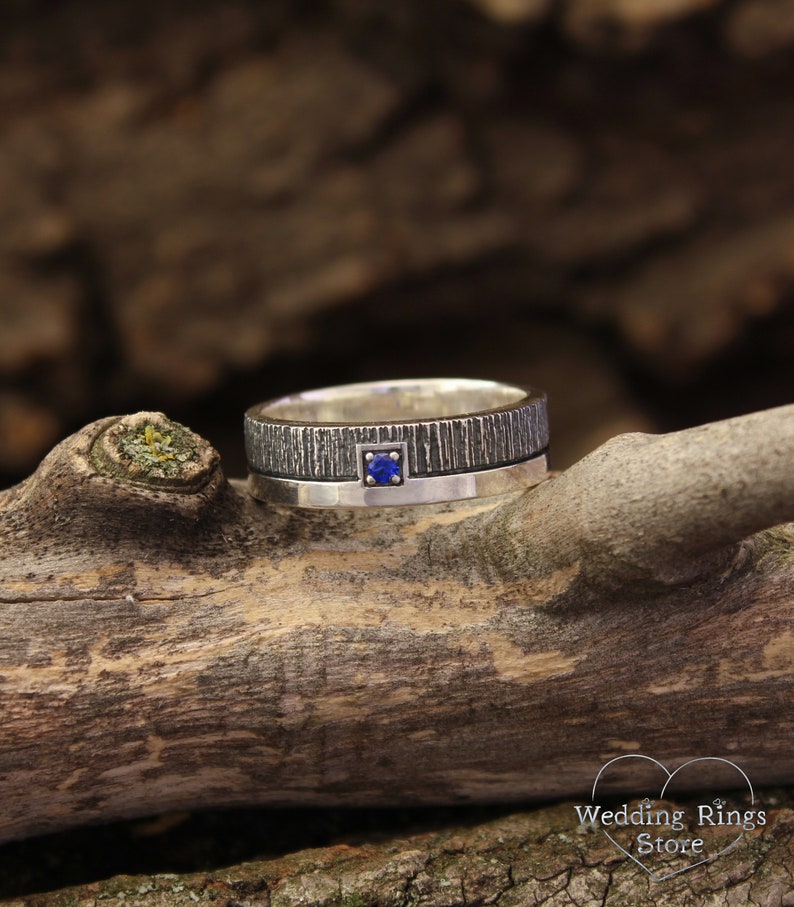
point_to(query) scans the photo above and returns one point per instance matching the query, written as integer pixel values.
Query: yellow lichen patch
(150, 449)
(159, 445)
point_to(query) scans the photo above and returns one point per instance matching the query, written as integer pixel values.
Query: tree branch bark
(522, 859)
(660, 508)
(168, 642)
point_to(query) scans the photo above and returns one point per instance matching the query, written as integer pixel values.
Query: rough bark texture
(167, 641)
(194, 191)
(521, 860)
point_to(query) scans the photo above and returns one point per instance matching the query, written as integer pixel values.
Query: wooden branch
(661, 507)
(167, 642)
(520, 859)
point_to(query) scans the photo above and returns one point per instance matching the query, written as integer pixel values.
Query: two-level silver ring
(416, 441)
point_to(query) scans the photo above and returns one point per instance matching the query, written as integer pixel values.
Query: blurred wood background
(204, 204)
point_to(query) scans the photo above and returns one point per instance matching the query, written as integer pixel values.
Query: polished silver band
(396, 442)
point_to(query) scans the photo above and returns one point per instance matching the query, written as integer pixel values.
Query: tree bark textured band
(397, 442)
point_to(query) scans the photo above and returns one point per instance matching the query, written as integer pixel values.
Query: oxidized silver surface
(441, 428)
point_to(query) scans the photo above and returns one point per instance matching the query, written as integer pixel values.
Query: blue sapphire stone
(381, 467)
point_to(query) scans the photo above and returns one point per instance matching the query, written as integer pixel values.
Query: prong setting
(383, 465)
(411, 441)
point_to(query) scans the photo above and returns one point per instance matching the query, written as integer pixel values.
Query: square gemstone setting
(383, 466)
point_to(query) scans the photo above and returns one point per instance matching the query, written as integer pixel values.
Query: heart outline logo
(670, 776)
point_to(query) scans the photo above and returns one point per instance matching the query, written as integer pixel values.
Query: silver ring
(382, 443)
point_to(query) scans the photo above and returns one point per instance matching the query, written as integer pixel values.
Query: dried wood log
(168, 642)
(512, 861)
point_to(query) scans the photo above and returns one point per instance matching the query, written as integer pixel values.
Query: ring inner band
(393, 401)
